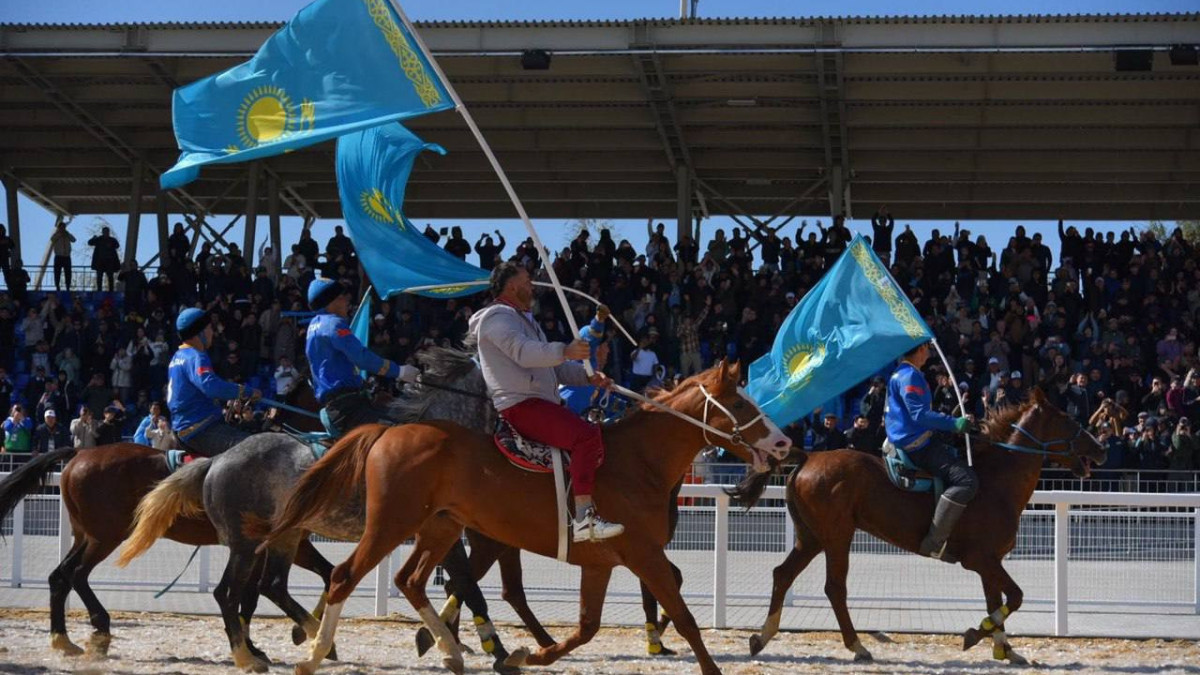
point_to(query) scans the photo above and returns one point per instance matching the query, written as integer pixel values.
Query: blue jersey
(192, 391)
(909, 417)
(335, 356)
(579, 398)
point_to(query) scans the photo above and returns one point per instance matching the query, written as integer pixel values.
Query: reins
(1043, 447)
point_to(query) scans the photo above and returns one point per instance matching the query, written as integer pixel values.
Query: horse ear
(735, 373)
(722, 371)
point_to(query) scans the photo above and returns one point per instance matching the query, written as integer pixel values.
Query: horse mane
(441, 365)
(997, 426)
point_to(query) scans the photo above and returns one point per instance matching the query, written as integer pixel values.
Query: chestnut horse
(431, 479)
(832, 494)
(101, 488)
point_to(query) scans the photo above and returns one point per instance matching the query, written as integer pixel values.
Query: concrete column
(164, 234)
(276, 234)
(251, 214)
(14, 217)
(683, 202)
(135, 214)
(837, 189)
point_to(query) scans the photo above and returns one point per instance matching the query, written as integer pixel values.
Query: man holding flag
(335, 356)
(910, 422)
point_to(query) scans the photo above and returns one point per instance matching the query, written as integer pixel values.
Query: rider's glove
(961, 424)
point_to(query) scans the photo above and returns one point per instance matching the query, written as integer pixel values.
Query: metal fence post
(1196, 557)
(720, 559)
(18, 525)
(202, 576)
(789, 542)
(382, 572)
(1062, 552)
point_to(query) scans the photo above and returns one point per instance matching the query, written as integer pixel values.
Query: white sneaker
(594, 528)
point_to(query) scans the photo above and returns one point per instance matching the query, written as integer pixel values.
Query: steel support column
(683, 204)
(160, 203)
(133, 226)
(251, 213)
(276, 234)
(14, 217)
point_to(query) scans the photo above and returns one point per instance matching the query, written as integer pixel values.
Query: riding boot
(945, 516)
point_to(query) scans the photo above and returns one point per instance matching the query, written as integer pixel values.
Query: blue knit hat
(190, 322)
(322, 291)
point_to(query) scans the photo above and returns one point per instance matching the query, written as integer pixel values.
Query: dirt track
(171, 643)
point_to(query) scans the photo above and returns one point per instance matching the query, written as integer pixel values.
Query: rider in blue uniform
(335, 357)
(193, 389)
(581, 399)
(911, 422)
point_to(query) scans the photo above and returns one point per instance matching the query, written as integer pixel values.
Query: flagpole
(487, 150)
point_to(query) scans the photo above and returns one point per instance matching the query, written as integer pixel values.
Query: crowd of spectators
(1109, 333)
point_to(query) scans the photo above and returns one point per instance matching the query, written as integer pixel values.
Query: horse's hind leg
(249, 604)
(462, 584)
(93, 554)
(433, 542)
(228, 594)
(513, 584)
(309, 558)
(60, 589)
(807, 547)
(837, 567)
(592, 587)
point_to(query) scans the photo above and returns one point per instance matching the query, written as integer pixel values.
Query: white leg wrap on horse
(445, 641)
(324, 640)
(449, 610)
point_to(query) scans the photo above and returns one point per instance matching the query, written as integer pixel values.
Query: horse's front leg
(997, 586)
(592, 588)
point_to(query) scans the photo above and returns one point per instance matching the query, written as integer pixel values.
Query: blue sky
(36, 223)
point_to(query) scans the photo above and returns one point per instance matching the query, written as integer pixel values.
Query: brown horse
(832, 494)
(101, 488)
(432, 479)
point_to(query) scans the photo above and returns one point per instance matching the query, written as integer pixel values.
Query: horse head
(1043, 429)
(742, 427)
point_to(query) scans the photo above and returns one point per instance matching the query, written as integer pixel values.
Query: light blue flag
(373, 166)
(338, 66)
(855, 321)
(360, 325)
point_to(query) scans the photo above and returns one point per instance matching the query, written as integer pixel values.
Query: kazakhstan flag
(851, 324)
(373, 166)
(337, 67)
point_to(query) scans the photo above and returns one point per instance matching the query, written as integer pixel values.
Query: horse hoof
(97, 646)
(882, 638)
(971, 638)
(304, 669)
(756, 644)
(517, 658)
(1007, 653)
(863, 657)
(258, 653)
(59, 642)
(298, 635)
(661, 651)
(454, 664)
(500, 667)
(424, 641)
(332, 655)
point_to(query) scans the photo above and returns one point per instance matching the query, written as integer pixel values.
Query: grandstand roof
(938, 117)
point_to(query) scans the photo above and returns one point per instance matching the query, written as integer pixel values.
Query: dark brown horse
(432, 479)
(832, 494)
(101, 488)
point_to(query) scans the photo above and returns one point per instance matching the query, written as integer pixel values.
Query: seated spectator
(287, 377)
(50, 435)
(83, 428)
(18, 431)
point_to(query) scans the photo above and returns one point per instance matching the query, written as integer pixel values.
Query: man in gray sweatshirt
(522, 371)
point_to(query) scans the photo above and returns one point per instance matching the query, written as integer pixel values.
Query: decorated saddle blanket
(908, 476)
(524, 453)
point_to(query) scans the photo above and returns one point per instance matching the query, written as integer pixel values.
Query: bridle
(1042, 448)
(710, 401)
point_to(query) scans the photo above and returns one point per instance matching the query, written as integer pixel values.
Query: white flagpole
(487, 150)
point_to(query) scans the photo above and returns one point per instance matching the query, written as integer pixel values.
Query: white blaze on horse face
(776, 443)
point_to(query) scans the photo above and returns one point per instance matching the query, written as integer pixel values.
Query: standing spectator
(178, 246)
(52, 399)
(6, 387)
(1184, 451)
(106, 258)
(97, 395)
(7, 250)
(456, 245)
(109, 431)
(307, 247)
(18, 431)
(83, 428)
(1079, 401)
(339, 245)
(644, 359)
(162, 437)
(687, 332)
(828, 436)
(50, 435)
(67, 362)
(286, 377)
(150, 421)
(488, 251)
(873, 401)
(882, 225)
(863, 437)
(122, 372)
(60, 243)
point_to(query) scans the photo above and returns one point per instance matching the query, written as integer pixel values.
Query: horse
(430, 479)
(832, 494)
(254, 478)
(101, 488)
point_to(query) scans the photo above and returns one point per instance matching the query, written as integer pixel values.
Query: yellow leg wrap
(653, 640)
(487, 635)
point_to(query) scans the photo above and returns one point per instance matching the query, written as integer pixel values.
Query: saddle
(526, 454)
(908, 476)
(177, 459)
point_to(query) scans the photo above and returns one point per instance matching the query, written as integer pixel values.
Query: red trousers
(545, 422)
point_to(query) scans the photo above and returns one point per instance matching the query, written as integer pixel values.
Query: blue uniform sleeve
(918, 405)
(344, 341)
(202, 375)
(139, 436)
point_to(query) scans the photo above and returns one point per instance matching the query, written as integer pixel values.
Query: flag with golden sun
(337, 67)
(373, 167)
(855, 321)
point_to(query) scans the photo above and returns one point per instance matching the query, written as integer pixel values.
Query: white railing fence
(1104, 551)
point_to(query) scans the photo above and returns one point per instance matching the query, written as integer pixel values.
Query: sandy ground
(171, 643)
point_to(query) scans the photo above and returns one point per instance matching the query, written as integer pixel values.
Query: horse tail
(333, 478)
(179, 495)
(29, 476)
